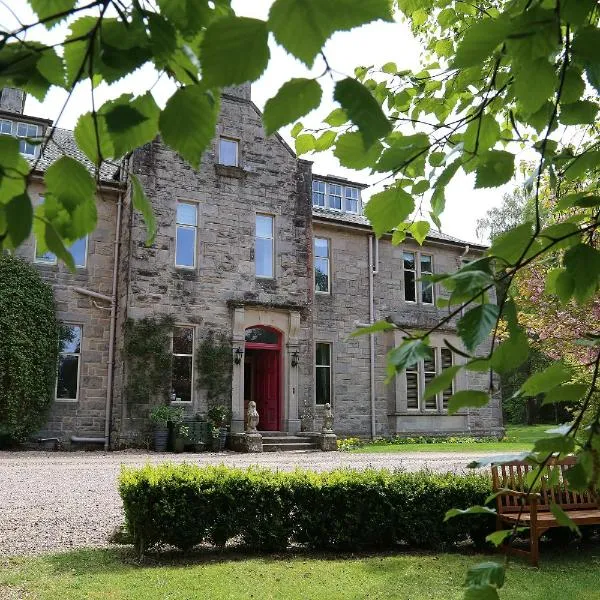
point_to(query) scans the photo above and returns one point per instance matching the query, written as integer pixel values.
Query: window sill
(66, 400)
(230, 171)
(319, 293)
(181, 402)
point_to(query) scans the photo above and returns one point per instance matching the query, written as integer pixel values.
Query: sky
(372, 44)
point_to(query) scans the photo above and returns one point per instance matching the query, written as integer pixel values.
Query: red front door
(266, 388)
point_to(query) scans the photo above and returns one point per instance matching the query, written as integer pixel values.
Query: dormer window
(23, 131)
(336, 196)
(229, 152)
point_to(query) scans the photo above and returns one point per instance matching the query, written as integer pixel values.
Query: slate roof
(354, 219)
(63, 144)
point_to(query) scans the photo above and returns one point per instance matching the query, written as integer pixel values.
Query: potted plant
(219, 415)
(215, 441)
(181, 437)
(161, 417)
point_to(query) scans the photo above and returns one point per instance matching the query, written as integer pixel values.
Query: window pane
(321, 274)
(228, 152)
(32, 131)
(426, 293)
(318, 199)
(430, 402)
(66, 385)
(78, 250)
(183, 340)
(323, 354)
(70, 339)
(321, 247)
(186, 214)
(22, 129)
(426, 264)
(323, 385)
(264, 257)
(351, 205)
(6, 127)
(409, 260)
(181, 380)
(45, 257)
(412, 389)
(261, 335)
(409, 286)
(26, 148)
(264, 226)
(186, 246)
(429, 363)
(335, 196)
(446, 363)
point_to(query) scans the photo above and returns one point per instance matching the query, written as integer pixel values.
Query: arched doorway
(262, 374)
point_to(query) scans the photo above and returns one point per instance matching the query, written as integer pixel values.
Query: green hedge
(184, 505)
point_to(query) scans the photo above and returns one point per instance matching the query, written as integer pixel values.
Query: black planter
(161, 439)
(222, 438)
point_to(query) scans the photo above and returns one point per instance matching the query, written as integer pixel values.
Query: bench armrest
(535, 496)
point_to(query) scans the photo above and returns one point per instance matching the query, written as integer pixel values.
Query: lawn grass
(521, 438)
(113, 575)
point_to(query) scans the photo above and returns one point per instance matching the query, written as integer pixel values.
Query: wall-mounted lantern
(295, 358)
(237, 355)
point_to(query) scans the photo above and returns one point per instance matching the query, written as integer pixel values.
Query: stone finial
(327, 419)
(252, 417)
(12, 100)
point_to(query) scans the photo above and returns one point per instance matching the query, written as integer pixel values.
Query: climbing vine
(214, 367)
(29, 343)
(148, 358)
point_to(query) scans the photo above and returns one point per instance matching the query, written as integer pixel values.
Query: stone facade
(222, 294)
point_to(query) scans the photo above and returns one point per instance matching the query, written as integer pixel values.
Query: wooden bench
(509, 480)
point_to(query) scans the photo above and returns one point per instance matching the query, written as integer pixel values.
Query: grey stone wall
(12, 100)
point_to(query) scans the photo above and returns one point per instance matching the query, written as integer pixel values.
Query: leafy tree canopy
(498, 77)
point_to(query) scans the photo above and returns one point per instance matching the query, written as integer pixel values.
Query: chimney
(12, 100)
(242, 91)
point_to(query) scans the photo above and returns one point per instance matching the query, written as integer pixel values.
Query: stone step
(289, 447)
(275, 433)
(288, 439)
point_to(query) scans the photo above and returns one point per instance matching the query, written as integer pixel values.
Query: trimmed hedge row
(184, 505)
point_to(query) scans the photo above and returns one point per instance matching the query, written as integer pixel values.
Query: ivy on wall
(214, 367)
(148, 357)
(29, 345)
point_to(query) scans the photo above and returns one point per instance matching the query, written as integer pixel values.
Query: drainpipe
(373, 270)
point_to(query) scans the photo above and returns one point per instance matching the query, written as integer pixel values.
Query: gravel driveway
(51, 501)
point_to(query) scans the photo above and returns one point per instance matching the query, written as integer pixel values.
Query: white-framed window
(186, 234)
(351, 199)
(318, 193)
(23, 131)
(322, 266)
(182, 375)
(265, 246)
(67, 378)
(322, 373)
(334, 193)
(417, 376)
(415, 266)
(77, 249)
(229, 152)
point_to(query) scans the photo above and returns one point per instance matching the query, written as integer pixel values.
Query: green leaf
(419, 230)
(494, 168)
(192, 135)
(296, 129)
(234, 50)
(407, 354)
(54, 243)
(498, 537)
(69, 182)
(562, 518)
(475, 326)
(350, 151)
(511, 353)
(573, 86)
(581, 199)
(385, 210)
(534, 82)
(336, 118)
(294, 99)
(142, 204)
(481, 592)
(390, 67)
(467, 398)
(560, 283)
(557, 373)
(511, 246)
(303, 26)
(123, 116)
(13, 169)
(363, 110)
(486, 573)
(582, 112)
(305, 143)
(441, 382)
(19, 218)
(375, 328)
(556, 443)
(48, 8)
(565, 393)
(481, 134)
(325, 141)
(89, 142)
(480, 40)
(403, 149)
(189, 16)
(583, 265)
(472, 510)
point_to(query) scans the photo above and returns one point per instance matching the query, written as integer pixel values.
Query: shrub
(29, 343)
(184, 505)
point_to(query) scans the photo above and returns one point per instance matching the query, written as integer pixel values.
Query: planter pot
(179, 445)
(214, 444)
(199, 447)
(222, 438)
(161, 439)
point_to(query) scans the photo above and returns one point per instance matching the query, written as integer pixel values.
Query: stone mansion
(256, 247)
